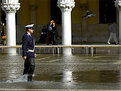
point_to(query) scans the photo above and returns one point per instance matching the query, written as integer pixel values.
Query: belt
(30, 51)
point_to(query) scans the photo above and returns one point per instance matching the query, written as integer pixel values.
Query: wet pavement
(79, 72)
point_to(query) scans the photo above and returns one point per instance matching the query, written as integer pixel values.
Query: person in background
(3, 33)
(43, 35)
(112, 28)
(28, 52)
(49, 33)
(55, 33)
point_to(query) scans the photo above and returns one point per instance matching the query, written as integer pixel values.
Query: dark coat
(27, 44)
(54, 30)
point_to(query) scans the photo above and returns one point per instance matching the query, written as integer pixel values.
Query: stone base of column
(11, 51)
(67, 51)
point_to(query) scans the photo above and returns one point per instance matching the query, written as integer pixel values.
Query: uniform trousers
(29, 66)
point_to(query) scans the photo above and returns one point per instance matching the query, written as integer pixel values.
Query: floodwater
(79, 71)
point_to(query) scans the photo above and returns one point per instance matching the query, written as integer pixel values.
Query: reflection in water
(67, 73)
(9, 51)
(67, 51)
(82, 76)
(10, 66)
(12, 51)
(67, 79)
(64, 71)
(67, 76)
(97, 76)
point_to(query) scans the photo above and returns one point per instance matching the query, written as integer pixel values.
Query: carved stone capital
(10, 7)
(118, 3)
(66, 9)
(66, 5)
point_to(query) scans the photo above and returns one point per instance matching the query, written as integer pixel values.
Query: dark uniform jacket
(27, 44)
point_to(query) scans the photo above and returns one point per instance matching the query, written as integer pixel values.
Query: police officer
(28, 52)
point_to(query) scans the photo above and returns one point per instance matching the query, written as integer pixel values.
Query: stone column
(66, 8)
(33, 14)
(118, 5)
(83, 4)
(10, 7)
(33, 8)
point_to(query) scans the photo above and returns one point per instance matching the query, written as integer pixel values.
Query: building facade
(93, 29)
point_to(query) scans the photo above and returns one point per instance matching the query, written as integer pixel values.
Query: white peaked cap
(29, 26)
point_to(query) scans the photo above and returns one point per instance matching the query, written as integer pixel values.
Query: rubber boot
(29, 78)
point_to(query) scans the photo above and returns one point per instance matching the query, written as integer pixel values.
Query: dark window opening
(3, 16)
(55, 12)
(16, 17)
(107, 11)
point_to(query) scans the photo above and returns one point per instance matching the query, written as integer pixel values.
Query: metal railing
(89, 49)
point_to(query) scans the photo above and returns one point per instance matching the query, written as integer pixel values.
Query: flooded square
(79, 71)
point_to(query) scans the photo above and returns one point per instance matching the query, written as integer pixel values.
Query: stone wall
(95, 33)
